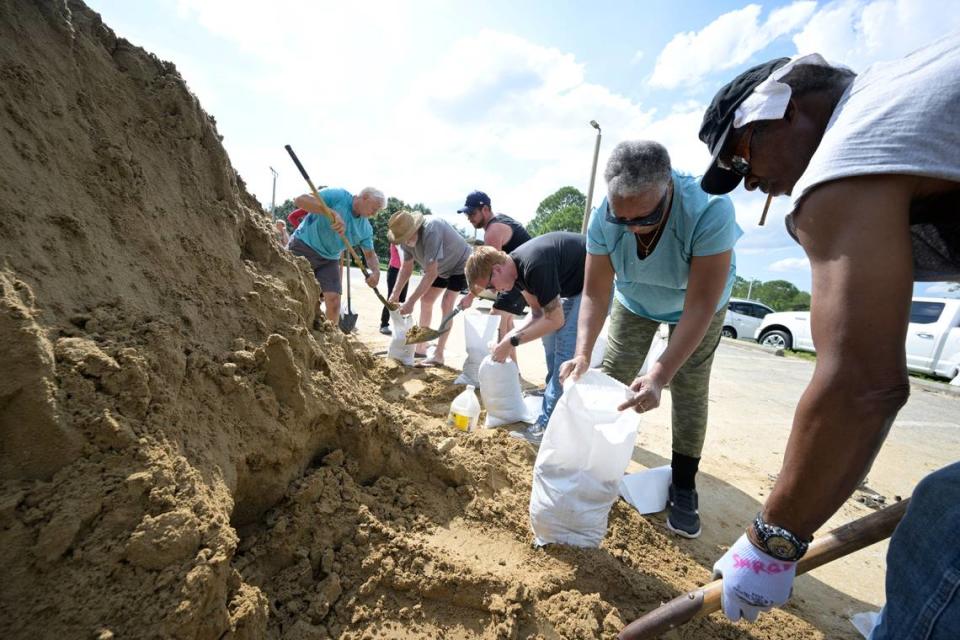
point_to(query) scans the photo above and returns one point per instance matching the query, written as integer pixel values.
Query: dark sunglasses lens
(740, 166)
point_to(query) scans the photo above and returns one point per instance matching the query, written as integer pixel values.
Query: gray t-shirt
(439, 242)
(901, 117)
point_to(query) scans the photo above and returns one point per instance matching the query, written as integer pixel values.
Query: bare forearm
(838, 429)
(403, 276)
(538, 327)
(593, 313)
(429, 275)
(372, 261)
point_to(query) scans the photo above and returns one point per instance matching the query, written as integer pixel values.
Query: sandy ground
(753, 395)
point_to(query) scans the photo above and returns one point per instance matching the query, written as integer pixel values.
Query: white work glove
(753, 581)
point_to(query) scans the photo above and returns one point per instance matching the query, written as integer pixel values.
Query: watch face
(781, 548)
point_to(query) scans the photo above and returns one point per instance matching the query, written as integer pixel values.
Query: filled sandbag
(480, 330)
(584, 453)
(399, 349)
(501, 393)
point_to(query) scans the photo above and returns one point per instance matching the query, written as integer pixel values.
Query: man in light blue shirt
(668, 248)
(318, 239)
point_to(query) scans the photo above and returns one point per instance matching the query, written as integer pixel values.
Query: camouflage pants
(628, 342)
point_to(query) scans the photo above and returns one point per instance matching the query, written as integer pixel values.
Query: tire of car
(777, 338)
(728, 332)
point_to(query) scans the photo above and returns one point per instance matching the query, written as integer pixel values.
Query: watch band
(777, 541)
(515, 340)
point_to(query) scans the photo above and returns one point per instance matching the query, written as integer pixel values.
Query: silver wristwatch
(777, 541)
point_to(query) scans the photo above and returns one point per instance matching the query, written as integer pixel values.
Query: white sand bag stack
(398, 349)
(584, 453)
(480, 330)
(501, 393)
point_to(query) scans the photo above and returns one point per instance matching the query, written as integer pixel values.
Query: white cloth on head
(770, 99)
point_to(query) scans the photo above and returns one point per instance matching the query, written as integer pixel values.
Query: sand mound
(181, 457)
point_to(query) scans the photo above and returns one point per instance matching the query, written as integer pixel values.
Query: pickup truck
(933, 336)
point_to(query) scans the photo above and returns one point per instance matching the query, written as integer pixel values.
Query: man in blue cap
(506, 234)
(872, 165)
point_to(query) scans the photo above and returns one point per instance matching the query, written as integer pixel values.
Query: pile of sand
(180, 456)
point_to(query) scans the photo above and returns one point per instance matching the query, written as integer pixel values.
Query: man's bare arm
(497, 235)
(597, 286)
(551, 319)
(856, 233)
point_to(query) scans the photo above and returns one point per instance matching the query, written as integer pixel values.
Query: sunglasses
(739, 162)
(648, 220)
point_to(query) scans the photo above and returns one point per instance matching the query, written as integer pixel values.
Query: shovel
(701, 602)
(326, 211)
(348, 320)
(420, 334)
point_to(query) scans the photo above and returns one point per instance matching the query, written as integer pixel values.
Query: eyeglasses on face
(647, 220)
(739, 162)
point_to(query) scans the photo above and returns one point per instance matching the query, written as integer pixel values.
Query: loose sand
(183, 458)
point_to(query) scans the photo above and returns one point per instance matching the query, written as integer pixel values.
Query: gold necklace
(647, 246)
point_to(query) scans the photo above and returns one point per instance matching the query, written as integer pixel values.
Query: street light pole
(593, 177)
(273, 197)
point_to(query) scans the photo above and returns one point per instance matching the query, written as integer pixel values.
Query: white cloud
(946, 289)
(727, 42)
(857, 34)
(790, 264)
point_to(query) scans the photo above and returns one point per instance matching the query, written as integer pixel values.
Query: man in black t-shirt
(548, 270)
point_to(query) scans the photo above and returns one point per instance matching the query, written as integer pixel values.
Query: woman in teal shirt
(667, 247)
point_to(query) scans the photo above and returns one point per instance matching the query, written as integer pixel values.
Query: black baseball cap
(718, 121)
(474, 200)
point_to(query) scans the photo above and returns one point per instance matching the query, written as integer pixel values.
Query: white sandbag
(584, 453)
(599, 349)
(480, 330)
(647, 491)
(398, 349)
(501, 393)
(657, 346)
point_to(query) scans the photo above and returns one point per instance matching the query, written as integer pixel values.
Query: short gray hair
(374, 194)
(636, 166)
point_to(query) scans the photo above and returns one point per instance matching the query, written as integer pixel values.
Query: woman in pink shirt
(392, 272)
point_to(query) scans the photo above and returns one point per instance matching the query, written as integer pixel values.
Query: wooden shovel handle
(325, 210)
(701, 602)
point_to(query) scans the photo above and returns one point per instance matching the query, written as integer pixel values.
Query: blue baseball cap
(475, 200)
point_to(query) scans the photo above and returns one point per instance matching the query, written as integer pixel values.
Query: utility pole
(750, 289)
(273, 197)
(593, 177)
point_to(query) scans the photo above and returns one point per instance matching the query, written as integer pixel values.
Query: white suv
(743, 318)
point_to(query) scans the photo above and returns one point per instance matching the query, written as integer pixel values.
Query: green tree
(562, 211)
(283, 210)
(779, 295)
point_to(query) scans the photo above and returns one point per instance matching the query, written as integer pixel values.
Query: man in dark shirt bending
(548, 270)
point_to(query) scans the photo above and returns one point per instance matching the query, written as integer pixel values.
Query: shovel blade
(348, 322)
(422, 335)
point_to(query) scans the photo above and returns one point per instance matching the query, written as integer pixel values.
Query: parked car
(743, 318)
(933, 335)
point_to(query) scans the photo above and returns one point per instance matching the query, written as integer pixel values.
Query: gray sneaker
(532, 434)
(683, 518)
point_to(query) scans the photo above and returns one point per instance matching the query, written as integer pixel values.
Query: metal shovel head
(424, 334)
(348, 321)
(419, 334)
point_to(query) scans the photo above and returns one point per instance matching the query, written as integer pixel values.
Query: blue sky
(429, 99)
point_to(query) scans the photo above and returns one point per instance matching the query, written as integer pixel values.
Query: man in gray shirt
(442, 254)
